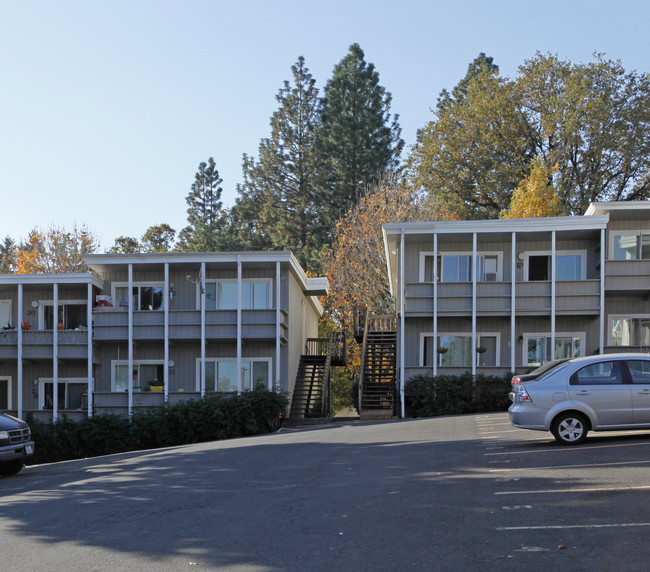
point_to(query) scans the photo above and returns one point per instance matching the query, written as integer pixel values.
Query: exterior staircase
(311, 391)
(377, 382)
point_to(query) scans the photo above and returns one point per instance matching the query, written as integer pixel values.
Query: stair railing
(362, 366)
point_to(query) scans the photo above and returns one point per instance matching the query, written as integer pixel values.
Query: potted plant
(156, 385)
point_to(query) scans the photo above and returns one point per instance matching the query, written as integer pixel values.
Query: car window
(603, 373)
(639, 370)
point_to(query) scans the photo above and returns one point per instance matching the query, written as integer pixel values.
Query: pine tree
(276, 206)
(204, 213)
(357, 140)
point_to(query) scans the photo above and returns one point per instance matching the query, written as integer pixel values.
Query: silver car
(597, 393)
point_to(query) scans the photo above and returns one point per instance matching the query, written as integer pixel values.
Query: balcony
(493, 298)
(627, 276)
(186, 324)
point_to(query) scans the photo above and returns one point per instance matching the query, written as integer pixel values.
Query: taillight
(515, 379)
(521, 395)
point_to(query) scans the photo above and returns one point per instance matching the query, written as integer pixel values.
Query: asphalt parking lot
(455, 493)
(589, 503)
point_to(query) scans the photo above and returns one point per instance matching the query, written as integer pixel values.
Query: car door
(601, 387)
(640, 389)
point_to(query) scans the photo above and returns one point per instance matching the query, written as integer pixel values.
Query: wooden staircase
(377, 383)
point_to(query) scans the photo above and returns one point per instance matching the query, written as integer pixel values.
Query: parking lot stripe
(555, 467)
(599, 489)
(568, 526)
(569, 449)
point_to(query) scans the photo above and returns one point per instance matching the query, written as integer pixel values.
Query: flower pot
(156, 388)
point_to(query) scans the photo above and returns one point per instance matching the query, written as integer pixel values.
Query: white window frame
(549, 253)
(6, 304)
(138, 285)
(635, 233)
(10, 400)
(528, 335)
(62, 381)
(136, 364)
(217, 281)
(42, 304)
(610, 323)
(497, 360)
(442, 254)
(267, 360)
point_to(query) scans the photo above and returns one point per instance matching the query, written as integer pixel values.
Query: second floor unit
(521, 291)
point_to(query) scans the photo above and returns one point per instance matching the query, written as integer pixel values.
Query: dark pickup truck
(16, 444)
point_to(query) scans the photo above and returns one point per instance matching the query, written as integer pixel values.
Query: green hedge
(208, 419)
(427, 396)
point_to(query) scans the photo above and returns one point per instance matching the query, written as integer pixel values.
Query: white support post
(513, 303)
(402, 371)
(553, 271)
(278, 316)
(239, 324)
(19, 329)
(203, 299)
(603, 323)
(474, 291)
(89, 329)
(130, 341)
(166, 302)
(55, 354)
(435, 304)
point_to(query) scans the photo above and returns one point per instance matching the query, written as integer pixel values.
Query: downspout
(277, 325)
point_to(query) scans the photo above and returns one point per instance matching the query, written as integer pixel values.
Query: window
(5, 314)
(629, 331)
(604, 373)
(639, 370)
(221, 374)
(222, 294)
(630, 246)
(457, 267)
(459, 350)
(145, 296)
(72, 393)
(5, 393)
(538, 347)
(143, 372)
(569, 265)
(72, 314)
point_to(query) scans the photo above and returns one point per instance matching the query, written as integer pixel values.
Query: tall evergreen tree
(7, 255)
(481, 64)
(276, 203)
(357, 140)
(204, 213)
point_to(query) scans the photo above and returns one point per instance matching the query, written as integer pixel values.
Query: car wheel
(10, 468)
(570, 428)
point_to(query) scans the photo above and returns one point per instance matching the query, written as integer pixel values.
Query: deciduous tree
(55, 250)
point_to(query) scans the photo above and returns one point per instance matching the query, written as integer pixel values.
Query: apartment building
(143, 329)
(493, 296)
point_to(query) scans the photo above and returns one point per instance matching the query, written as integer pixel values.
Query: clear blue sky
(107, 108)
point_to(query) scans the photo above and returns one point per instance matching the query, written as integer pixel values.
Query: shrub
(211, 418)
(427, 396)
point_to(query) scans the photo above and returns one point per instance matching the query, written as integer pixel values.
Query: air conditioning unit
(490, 277)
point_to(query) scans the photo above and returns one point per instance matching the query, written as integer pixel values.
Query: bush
(427, 396)
(209, 419)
